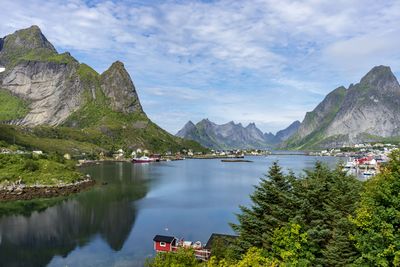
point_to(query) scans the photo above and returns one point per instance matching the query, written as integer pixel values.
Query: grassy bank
(42, 169)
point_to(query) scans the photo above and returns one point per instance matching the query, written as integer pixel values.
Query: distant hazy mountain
(233, 136)
(367, 111)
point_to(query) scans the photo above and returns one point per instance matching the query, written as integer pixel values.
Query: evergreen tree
(327, 198)
(273, 206)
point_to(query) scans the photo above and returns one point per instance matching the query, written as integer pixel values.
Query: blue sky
(259, 61)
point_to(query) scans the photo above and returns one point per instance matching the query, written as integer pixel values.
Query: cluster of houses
(364, 160)
(19, 152)
(240, 152)
(357, 150)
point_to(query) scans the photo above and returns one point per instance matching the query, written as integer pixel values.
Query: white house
(2, 68)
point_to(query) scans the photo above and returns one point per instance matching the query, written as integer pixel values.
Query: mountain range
(368, 111)
(233, 136)
(51, 101)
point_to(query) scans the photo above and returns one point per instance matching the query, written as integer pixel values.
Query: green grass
(11, 107)
(63, 58)
(41, 169)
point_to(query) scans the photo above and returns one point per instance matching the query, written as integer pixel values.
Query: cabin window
(163, 244)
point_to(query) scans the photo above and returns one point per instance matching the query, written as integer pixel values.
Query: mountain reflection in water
(106, 211)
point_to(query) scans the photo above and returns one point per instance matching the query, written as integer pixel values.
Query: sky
(259, 61)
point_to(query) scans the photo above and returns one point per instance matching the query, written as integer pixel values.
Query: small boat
(143, 159)
(369, 173)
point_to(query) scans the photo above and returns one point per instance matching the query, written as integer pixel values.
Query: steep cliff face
(367, 111)
(52, 90)
(35, 72)
(118, 86)
(370, 107)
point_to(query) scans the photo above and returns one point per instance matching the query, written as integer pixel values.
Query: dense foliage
(378, 218)
(304, 220)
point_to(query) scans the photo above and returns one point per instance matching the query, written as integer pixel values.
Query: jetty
(235, 160)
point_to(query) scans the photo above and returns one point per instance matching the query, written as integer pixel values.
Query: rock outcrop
(118, 86)
(22, 43)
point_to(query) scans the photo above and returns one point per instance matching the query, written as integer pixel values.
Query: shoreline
(18, 192)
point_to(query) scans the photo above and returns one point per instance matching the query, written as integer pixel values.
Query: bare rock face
(118, 86)
(370, 107)
(52, 90)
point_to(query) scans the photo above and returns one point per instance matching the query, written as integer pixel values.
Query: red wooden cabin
(164, 243)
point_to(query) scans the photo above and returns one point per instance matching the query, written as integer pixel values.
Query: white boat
(143, 159)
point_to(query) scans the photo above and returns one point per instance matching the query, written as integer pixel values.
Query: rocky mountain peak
(117, 85)
(379, 76)
(189, 124)
(205, 122)
(22, 42)
(251, 125)
(187, 129)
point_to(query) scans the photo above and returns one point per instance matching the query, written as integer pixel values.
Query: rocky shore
(23, 192)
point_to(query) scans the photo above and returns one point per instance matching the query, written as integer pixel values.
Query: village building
(164, 243)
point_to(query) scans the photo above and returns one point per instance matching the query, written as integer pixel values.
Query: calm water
(114, 224)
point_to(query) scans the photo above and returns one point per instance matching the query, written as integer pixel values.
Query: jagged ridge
(233, 136)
